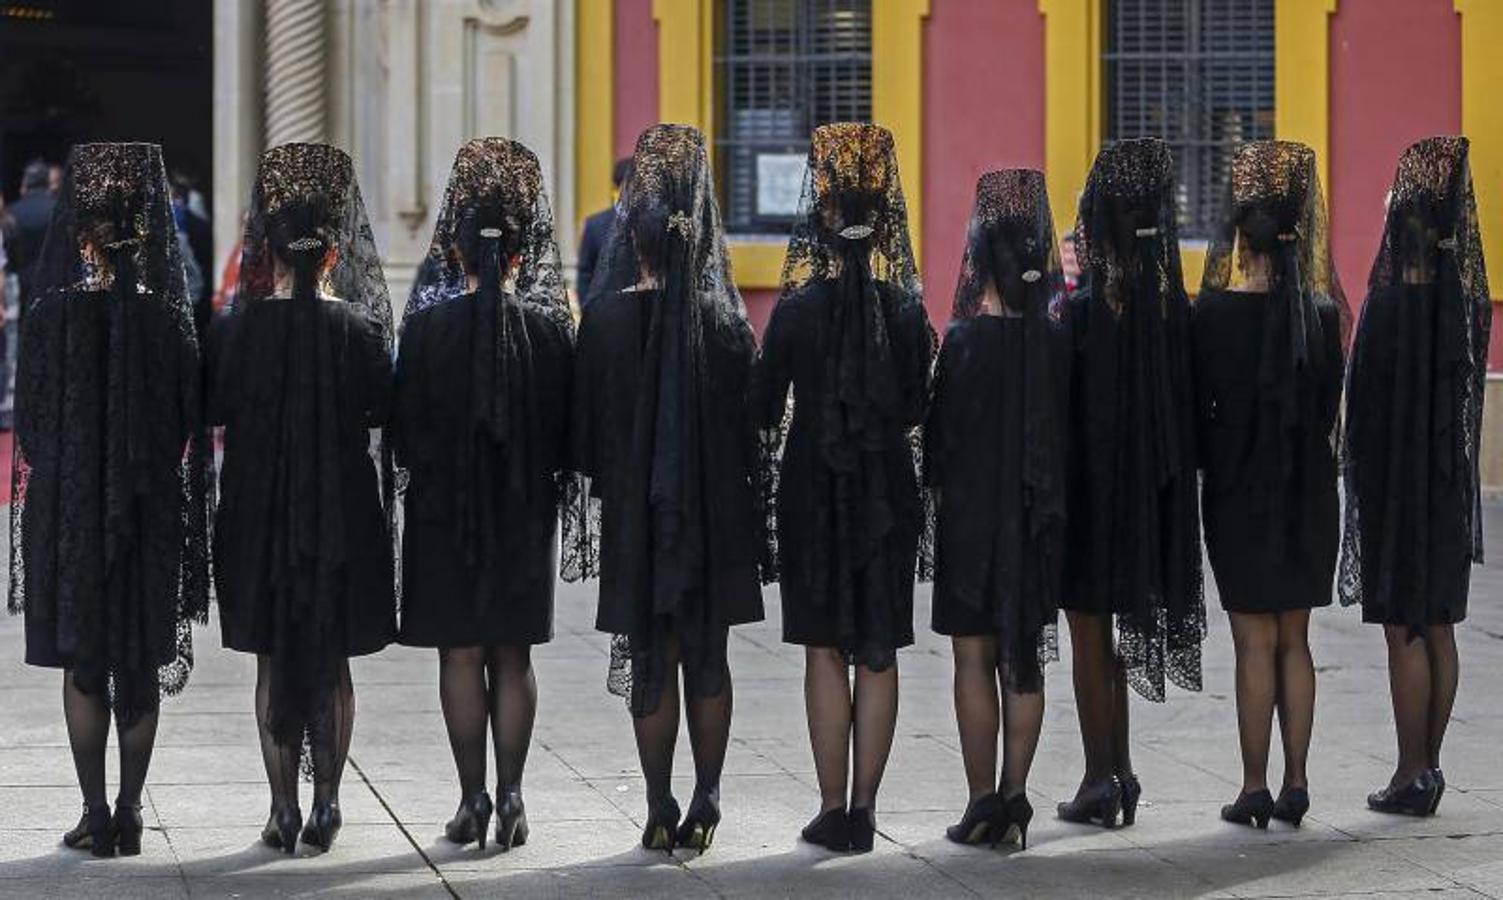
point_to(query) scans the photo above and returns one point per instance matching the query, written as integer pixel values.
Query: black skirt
(504, 594)
(812, 559)
(1413, 542)
(244, 351)
(1262, 565)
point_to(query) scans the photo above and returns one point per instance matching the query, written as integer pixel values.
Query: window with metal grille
(1199, 74)
(783, 68)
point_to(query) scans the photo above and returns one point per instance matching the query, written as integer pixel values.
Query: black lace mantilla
(110, 487)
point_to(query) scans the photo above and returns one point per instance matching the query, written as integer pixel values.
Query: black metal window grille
(1198, 73)
(783, 67)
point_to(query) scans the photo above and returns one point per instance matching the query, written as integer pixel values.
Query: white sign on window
(780, 181)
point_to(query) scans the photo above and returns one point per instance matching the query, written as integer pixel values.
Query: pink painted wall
(1395, 78)
(983, 110)
(636, 83)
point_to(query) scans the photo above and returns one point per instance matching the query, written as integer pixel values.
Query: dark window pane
(1199, 74)
(783, 68)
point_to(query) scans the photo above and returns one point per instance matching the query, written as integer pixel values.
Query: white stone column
(238, 88)
(295, 47)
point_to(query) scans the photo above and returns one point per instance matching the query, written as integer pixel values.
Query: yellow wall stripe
(1482, 119)
(898, 96)
(594, 105)
(1302, 77)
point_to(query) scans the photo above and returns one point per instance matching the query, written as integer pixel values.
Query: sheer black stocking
(88, 721)
(331, 738)
(136, 744)
(709, 734)
(465, 700)
(281, 762)
(874, 720)
(1296, 699)
(1023, 722)
(1255, 637)
(1100, 698)
(657, 734)
(1410, 689)
(827, 705)
(1445, 675)
(978, 713)
(514, 704)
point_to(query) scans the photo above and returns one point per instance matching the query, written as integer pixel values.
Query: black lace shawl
(1135, 511)
(305, 563)
(109, 548)
(1277, 182)
(850, 244)
(665, 515)
(493, 180)
(1413, 424)
(1004, 554)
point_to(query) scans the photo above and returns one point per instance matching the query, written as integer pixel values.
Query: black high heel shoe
(662, 824)
(94, 832)
(1132, 791)
(863, 830)
(282, 828)
(1417, 798)
(511, 820)
(471, 821)
(128, 828)
(1438, 780)
(697, 832)
(976, 826)
(1249, 809)
(1292, 805)
(1011, 825)
(830, 829)
(324, 822)
(1099, 804)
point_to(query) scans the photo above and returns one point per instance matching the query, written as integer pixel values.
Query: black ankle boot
(472, 821)
(282, 828)
(1417, 798)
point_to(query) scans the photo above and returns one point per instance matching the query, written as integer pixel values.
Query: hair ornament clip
(123, 244)
(1447, 243)
(679, 222)
(491, 233)
(1146, 232)
(305, 244)
(856, 232)
(1032, 275)
(1289, 237)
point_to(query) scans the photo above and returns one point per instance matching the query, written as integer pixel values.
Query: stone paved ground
(207, 800)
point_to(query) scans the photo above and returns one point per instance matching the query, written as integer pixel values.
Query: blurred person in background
(26, 228)
(597, 228)
(195, 227)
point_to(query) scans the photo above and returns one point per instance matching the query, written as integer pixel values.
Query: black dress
(500, 592)
(817, 568)
(1411, 480)
(259, 588)
(98, 587)
(1263, 566)
(990, 568)
(611, 371)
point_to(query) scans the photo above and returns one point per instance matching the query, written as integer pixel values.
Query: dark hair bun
(487, 222)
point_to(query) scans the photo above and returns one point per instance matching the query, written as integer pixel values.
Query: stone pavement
(206, 800)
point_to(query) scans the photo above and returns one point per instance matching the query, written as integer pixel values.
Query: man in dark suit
(597, 228)
(31, 215)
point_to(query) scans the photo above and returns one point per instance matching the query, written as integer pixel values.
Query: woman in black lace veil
(994, 460)
(303, 541)
(668, 518)
(109, 541)
(851, 336)
(1269, 332)
(479, 420)
(1412, 476)
(1134, 524)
